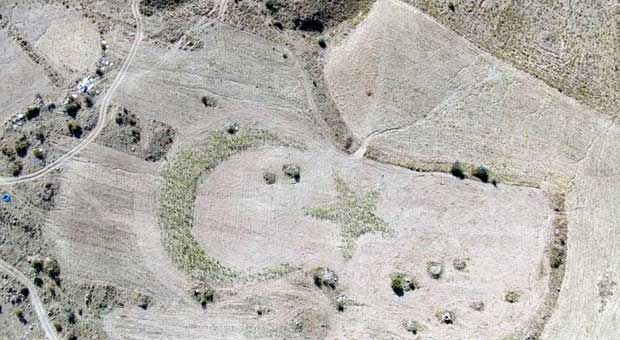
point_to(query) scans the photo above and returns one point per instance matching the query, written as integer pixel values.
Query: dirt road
(39, 309)
(103, 117)
(103, 108)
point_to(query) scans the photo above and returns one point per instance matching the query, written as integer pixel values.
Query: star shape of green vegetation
(356, 215)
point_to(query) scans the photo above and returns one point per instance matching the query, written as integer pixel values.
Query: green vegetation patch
(179, 188)
(356, 214)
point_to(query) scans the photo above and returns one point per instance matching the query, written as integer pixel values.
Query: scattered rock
(435, 269)
(446, 317)
(412, 326)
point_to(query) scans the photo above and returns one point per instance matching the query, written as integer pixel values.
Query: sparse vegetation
(179, 193)
(354, 213)
(412, 326)
(459, 264)
(477, 305)
(512, 296)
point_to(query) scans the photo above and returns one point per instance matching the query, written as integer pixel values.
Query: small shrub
(292, 170)
(88, 100)
(51, 267)
(457, 170)
(269, 177)
(208, 101)
(8, 152)
(512, 296)
(16, 168)
(459, 264)
(398, 284)
(322, 43)
(32, 111)
(72, 108)
(402, 283)
(21, 146)
(482, 173)
(204, 296)
(58, 326)
(19, 313)
(477, 306)
(74, 128)
(38, 281)
(37, 152)
(232, 128)
(324, 277)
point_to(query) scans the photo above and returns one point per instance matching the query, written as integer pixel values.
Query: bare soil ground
(251, 105)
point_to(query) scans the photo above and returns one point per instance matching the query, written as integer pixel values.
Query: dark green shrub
(32, 111)
(74, 128)
(21, 145)
(457, 170)
(72, 108)
(398, 284)
(482, 173)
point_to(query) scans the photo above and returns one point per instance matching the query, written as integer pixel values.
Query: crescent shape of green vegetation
(178, 193)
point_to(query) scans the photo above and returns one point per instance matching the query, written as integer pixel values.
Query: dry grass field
(389, 169)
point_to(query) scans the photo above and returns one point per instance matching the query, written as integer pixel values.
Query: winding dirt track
(103, 109)
(39, 309)
(103, 117)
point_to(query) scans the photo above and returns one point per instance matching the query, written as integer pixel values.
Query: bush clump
(32, 111)
(208, 101)
(72, 107)
(401, 283)
(74, 128)
(512, 296)
(16, 168)
(482, 173)
(51, 267)
(204, 295)
(37, 152)
(457, 170)
(21, 145)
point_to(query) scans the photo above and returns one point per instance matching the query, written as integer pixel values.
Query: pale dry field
(416, 96)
